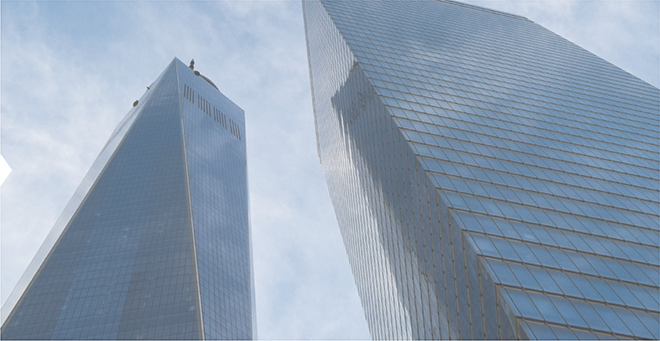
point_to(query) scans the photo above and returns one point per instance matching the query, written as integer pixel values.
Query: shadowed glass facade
(157, 245)
(490, 178)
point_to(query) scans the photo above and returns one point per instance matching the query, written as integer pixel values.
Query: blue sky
(71, 70)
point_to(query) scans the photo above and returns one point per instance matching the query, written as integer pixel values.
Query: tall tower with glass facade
(155, 243)
(490, 178)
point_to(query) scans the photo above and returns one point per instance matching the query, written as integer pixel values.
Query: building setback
(155, 244)
(490, 178)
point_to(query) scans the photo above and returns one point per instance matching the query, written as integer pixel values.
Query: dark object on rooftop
(208, 80)
(192, 67)
(135, 103)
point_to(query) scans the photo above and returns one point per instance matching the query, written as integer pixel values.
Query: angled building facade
(490, 178)
(155, 244)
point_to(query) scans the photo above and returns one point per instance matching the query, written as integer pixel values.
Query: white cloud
(243, 9)
(60, 103)
(66, 86)
(53, 116)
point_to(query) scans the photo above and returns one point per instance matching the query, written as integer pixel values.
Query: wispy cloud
(66, 84)
(61, 101)
(53, 113)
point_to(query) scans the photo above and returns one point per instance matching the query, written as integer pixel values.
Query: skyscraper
(490, 178)
(155, 243)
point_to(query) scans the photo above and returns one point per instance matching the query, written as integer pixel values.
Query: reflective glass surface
(73, 204)
(214, 129)
(490, 179)
(156, 250)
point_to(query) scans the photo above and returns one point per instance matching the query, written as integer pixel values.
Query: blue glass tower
(155, 244)
(490, 178)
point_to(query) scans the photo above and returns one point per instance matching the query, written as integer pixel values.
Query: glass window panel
(545, 280)
(588, 291)
(583, 335)
(538, 331)
(525, 278)
(590, 316)
(564, 262)
(634, 324)
(524, 253)
(649, 301)
(505, 249)
(547, 309)
(565, 284)
(563, 333)
(524, 304)
(581, 263)
(569, 312)
(651, 323)
(605, 291)
(485, 245)
(612, 319)
(543, 256)
(648, 276)
(503, 273)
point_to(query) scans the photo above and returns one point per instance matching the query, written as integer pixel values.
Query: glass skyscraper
(490, 178)
(155, 243)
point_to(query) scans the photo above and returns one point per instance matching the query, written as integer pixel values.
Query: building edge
(77, 199)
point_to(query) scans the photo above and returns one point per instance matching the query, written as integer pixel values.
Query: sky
(70, 70)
